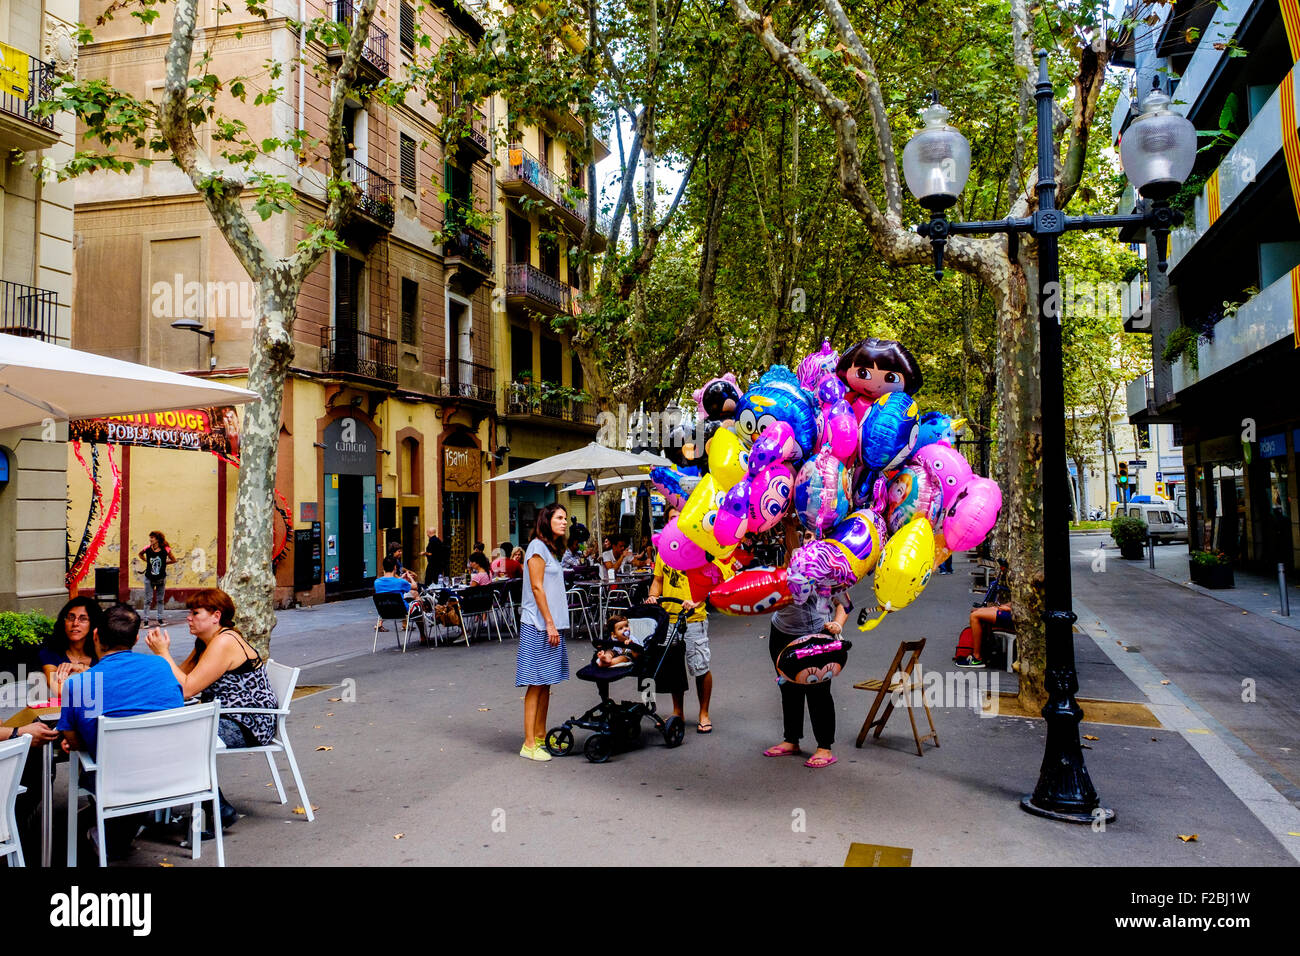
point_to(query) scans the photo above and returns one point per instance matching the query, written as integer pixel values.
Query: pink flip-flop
(778, 752)
(818, 763)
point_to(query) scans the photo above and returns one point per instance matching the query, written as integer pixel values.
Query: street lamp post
(1158, 151)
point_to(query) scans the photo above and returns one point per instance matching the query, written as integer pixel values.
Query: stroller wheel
(598, 747)
(559, 741)
(674, 731)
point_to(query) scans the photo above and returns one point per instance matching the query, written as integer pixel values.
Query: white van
(1164, 522)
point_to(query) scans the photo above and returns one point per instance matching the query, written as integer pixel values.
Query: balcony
(1137, 305)
(472, 143)
(545, 401)
(29, 312)
(467, 257)
(525, 175)
(374, 55)
(1141, 399)
(376, 200)
(469, 382)
(531, 288)
(20, 126)
(349, 351)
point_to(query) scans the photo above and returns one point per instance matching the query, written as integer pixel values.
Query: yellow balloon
(904, 569)
(728, 462)
(698, 515)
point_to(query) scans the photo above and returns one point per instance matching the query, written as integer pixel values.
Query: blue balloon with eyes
(938, 427)
(778, 397)
(889, 431)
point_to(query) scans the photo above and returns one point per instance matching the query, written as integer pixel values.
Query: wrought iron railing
(475, 122)
(377, 192)
(469, 381)
(353, 352)
(470, 245)
(526, 280)
(375, 52)
(523, 166)
(28, 311)
(527, 399)
(40, 87)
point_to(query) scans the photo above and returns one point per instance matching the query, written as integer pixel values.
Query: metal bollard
(1281, 589)
(1151, 552)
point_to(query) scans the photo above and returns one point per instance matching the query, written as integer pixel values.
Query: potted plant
(21, 634)
(1211, 569)
(1130, 535)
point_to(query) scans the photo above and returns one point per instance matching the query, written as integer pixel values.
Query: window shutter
(408, 27)
(409, 177)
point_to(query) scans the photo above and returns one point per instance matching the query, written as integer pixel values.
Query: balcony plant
(1211, 569)
(1130, 535)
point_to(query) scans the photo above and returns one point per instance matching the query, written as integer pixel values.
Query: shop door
(458, 510)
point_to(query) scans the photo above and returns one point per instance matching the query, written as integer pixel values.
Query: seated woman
(498, 564)
(223, 666)
(480, 569)
(625, 650)
(983, 620)
(70, 648)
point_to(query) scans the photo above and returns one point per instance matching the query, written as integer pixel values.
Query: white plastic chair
(283, 681)
(150, 762)
(13, 757)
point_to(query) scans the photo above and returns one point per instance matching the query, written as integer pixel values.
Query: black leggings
(821, 708)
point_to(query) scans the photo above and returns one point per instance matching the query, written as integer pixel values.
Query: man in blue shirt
(120, 684)
(392, 580)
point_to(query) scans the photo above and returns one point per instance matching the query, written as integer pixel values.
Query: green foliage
(1184, 200)
(27, 629)
(1128, 531)
(1181, 341)
(1210, 559)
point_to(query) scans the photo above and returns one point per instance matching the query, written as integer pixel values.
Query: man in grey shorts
(672, 585)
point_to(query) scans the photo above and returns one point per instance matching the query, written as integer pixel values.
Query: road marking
(1218, 747)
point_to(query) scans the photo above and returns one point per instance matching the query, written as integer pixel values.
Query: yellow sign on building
(15, 66)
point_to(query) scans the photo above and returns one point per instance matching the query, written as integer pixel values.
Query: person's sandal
(818, 763)
(778, 752)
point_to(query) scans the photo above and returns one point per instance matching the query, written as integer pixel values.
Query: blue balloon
(889, 431)
(778, 397)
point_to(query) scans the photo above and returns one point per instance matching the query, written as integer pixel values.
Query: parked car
(1164, 522)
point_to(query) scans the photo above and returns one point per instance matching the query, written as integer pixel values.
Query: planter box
(1132, 552)
(1214, 576)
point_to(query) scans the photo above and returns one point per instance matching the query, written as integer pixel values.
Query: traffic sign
(1159, 476)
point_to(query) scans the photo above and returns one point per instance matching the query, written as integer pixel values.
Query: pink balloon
(733, 514)
(972, 515)
(677, 550)
(950, 467)
(769, 496)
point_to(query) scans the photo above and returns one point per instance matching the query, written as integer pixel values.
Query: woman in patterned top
(223, 666)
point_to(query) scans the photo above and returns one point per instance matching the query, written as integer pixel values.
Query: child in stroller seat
(623, 647)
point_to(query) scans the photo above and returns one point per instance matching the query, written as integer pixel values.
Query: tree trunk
(249, 578)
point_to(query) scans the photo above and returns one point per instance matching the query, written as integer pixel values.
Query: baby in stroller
(636, 643)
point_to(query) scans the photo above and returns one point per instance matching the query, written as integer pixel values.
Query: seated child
(626, 650)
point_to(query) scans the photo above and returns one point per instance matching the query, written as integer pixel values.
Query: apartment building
(36, 289)
(1223, 319)
(393, 411)
(1154, 455)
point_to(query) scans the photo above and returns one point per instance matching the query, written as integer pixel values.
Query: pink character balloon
(950, 467)
(972, 515)
(733, 514)
(817, 365)
(677, 550)
(769, 496)
(837, 427)
(776, 444)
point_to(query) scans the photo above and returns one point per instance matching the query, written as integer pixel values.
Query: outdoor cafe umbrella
(39, 380)
(594, 461)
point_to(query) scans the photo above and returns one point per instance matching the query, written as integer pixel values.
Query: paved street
(423, 767)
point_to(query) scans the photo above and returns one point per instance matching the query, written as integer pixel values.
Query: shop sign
(1273, 446)
(213, 429)
(460, 469)
(349, 448)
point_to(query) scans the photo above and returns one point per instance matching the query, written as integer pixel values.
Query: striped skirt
(539, 663)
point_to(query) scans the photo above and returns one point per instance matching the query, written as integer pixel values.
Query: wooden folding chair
(899, 680)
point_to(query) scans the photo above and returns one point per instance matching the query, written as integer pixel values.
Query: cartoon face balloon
(728, 462)
(972, 516)
(818, 366)
(888, 431)
(914, 491)
(938, 427)
(950, 467)
(859, 537)
(769, 496)
(732, 522)
(718, 398)
(821, 492)
(677, 550)
(812, 659)
(820, 567)
(777, 398)
(754, 591)
(904, 569)
(776, 444)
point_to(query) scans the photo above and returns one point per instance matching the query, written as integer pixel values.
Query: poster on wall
(461, 469)
(214, 429)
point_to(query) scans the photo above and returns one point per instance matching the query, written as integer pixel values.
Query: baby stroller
(616, 725)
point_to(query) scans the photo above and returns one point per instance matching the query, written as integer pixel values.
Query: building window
(1178, 435)
(460, 187)
(1144, 436)
(410, 310)
(552, 362)
(577, 373)
(520, 237)
(348, 312)
(521, 353)
(408, 27)
(410, 465)
(548, 255)
(408, 163)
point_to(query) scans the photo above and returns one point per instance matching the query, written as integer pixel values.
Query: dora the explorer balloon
(876, 367)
